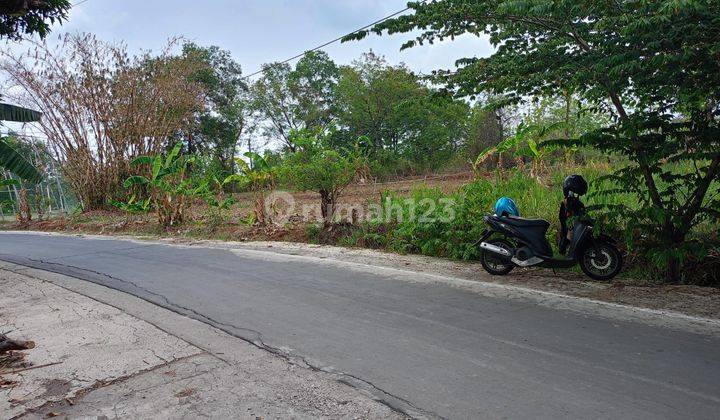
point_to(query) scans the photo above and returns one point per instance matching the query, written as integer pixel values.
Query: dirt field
(235, 226)
(361, 195)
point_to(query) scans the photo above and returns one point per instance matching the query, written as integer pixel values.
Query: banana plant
(10, 159)
(524, 144)
(166, 187)
(211, 192)
(259, 177)
(18, 114)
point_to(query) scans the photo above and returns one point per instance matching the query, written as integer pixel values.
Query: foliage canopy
(23, 17)
(651, 65)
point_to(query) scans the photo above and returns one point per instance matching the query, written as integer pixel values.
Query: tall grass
(536, 197)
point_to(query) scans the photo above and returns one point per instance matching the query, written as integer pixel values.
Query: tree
(287, 100)
(370, 94)
(222, 122)
(259, 177)
(313, 84)
(102, 108)
(314, 167)
(652, 66)
(166, 185)
(274, 105)
(485, 129)
(397, 114)
(27, 17)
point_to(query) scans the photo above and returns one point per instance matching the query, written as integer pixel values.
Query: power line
(340, 38)
(79, 3)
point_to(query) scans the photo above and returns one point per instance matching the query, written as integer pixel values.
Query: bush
(456, 237)
(166, 187)
(314, 168)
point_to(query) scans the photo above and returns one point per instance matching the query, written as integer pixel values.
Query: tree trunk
(327, 203)
(25, 214)
(674, 237)
(261, 217)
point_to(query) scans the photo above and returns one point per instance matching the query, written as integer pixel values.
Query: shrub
(166, 187)
(315, 168)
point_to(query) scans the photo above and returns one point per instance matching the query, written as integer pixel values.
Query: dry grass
(203, 225)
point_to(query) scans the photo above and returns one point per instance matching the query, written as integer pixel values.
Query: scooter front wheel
(601, 262)
(493, 263)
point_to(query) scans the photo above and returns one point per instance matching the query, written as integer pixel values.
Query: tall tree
(313, 83)
(370, 96)
(652, 65)
(102, 108)
(399, 116)
(27, 17)
(222, 123)
(287, 100)
(274, 105)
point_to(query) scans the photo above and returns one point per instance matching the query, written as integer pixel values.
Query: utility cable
(340, 38)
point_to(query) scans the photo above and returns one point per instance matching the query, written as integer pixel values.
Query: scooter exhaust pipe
(496, 249)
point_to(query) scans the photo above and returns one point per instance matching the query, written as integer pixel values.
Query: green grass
(535, 197)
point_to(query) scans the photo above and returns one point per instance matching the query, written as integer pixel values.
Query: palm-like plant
(10, 159)
(259, 177)
(526, 143)
(167, 186)
(14, 162)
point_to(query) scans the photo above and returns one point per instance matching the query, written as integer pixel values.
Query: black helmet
(575, 184)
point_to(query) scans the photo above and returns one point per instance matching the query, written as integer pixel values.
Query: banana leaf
(18, 114)
(11, 160)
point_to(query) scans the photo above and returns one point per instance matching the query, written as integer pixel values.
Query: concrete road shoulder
(103, 353)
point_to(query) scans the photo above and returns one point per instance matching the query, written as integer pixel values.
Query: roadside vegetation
(180, 143)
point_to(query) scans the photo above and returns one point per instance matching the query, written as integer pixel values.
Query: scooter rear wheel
(602, 262)
(493, 263)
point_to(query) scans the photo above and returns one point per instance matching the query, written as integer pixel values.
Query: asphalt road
(431, 348)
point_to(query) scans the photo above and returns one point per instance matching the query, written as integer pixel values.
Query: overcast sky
(258, 31)
(261, 31)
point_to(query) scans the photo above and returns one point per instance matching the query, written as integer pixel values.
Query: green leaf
(234, 178)
(258, 162)
(174, 153)
(532, 144)
(142, 160)
(135, 180)
(11, 160)
(157, 167)
(18, 114)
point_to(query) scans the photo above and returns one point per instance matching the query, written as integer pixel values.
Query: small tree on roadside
(313, 167)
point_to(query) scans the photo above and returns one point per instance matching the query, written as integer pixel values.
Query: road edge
(554, 300)
(204, 335)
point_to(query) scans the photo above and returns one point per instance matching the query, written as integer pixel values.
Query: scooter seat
(520, 222)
